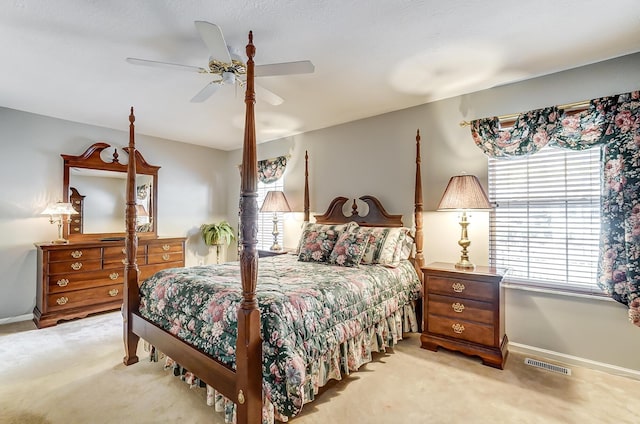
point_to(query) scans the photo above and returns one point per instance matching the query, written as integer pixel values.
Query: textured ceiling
(66, 58)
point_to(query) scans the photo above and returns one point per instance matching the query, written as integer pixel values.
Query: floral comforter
(308, 311)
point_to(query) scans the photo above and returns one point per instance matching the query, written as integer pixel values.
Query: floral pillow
(317, 241)
(383, 242)
(312, 226)
(350, 248)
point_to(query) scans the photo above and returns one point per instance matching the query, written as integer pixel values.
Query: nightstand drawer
(459, 287)
(457, 308)
(460, 329)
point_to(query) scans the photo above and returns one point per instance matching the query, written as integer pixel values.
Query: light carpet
(72, 373)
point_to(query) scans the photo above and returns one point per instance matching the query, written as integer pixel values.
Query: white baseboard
(575, 360)
(25, 317)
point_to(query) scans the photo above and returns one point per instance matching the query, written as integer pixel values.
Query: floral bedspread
(307, 310)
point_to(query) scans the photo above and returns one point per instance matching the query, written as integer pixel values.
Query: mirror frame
(91, 159)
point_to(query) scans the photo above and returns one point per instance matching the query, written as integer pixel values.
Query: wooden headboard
(376, 217)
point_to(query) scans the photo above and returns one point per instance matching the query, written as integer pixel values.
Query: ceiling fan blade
(206, 92)
(212, 36)
(286, 68)
(262, 94)
(156, 64)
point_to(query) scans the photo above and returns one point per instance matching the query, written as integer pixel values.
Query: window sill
(557, 292)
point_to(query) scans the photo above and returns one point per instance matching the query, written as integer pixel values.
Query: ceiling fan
(227, 66)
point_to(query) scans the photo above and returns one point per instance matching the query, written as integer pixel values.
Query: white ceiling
(66, 58)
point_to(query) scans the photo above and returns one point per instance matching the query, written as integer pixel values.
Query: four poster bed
(266, 338)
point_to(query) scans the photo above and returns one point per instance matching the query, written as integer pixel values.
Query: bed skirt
(348, 357)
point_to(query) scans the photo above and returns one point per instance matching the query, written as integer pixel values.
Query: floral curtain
(613, 122)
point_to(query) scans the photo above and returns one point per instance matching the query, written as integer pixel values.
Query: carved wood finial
(115, 156)
(354, 208)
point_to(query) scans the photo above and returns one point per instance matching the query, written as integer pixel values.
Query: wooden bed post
(419, 259)
(249, 342)
(131, 296)
(306, 186)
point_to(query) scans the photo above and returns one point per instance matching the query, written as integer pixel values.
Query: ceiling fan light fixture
(228, 78)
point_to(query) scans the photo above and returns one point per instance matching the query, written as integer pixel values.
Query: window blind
(546, 225)
(265, 219)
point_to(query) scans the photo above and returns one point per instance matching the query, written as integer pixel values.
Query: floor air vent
(547, 366)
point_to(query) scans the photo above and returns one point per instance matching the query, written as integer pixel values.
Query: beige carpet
(72, 373)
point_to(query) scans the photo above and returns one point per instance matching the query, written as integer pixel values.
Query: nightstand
(266, 253)
(463, 310)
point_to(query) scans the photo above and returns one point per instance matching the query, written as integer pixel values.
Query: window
(547, 221)
(265, 219)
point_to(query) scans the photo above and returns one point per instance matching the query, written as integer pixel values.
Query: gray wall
(375, 156)
(192, 189)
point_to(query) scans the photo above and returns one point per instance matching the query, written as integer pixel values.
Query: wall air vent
(547, 366)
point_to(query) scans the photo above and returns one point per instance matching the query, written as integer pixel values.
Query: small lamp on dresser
(275, 202)
(59, 213)
(464, 192)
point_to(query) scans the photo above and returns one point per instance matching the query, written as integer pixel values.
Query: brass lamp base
(465, 265)
(464, 242)
(275, 247)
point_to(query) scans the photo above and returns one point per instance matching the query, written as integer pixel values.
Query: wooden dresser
(81, 278)
(464, 311)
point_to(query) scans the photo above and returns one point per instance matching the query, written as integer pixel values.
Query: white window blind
(546, 225)
(265, 219)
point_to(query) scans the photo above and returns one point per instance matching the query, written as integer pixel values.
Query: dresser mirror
(95, 184)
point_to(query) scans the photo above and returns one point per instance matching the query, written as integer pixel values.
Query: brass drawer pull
(457, 328)
(124, 250)
(76, 228)
(458, 287)
(166, 247)
(77, 202)
(124, 261)
(166, 256)
(76, 254)
(76, 221)
(113, 292)
(63, 282)
(62, 300)
(114, 275)
(76, 265)
(458, 307)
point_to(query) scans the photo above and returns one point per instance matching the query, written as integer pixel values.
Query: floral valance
(614, 123)
(270, 170)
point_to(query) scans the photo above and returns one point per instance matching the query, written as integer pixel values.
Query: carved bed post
(306, 186)
(249, 342)
(131, 296)
(419, 259)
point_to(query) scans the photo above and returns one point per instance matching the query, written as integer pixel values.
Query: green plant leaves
(221, 233)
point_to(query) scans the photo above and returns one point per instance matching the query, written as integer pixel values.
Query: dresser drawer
(74, 254)
(67, 282)
(458, 308)
(76, 266)
(461, 288)
(460, 329)
(120, 251)
(85, 297)
(165, 248)
(165, 257)
(119, 262)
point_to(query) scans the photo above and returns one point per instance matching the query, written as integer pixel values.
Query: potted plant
(217, 235)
